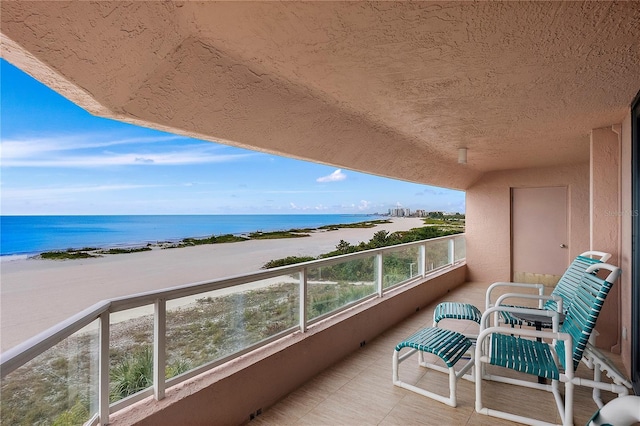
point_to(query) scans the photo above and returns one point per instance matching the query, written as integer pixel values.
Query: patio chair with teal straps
(558, 300)
(520, 351)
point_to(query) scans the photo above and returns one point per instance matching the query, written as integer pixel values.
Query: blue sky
(55, 158)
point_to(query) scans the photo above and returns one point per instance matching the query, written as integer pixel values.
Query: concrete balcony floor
(359, 390)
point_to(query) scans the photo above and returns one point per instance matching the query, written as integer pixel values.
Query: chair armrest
(525, 332)
(597, 254)
(613, 274)
(485, 323)
(539, 297)
(495, 285)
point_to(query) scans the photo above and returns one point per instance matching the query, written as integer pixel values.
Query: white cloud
(293, 206)
(364, 205)
(29, 193)
(33, 147)
(171, 158)
(144, 160)
(333, 177)
(87, 150)
(310, 191)
(432, 191)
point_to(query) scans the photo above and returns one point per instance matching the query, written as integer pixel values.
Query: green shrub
(226, 238)
(291, 260)
(132, 374)
(275, 235)
(124, 251)
(78, 414)
(69, 254)
(177, 368)
(229, 238)
(367, 224)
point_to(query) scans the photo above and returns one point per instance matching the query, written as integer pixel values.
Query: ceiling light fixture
(462, 155)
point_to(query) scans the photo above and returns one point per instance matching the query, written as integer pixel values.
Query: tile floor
(359, 390)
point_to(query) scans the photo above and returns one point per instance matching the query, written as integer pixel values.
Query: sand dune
(37, 294)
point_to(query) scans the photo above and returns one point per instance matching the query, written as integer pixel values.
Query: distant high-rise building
(399, 212)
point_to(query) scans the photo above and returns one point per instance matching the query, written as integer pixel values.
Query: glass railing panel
(130, 352)
(437, 254)
(332, 287)
(58, 387)
(400, 265)
(209, 326)
(460, 250)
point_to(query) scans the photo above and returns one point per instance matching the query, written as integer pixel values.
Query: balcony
(542, 95)
(334, 367)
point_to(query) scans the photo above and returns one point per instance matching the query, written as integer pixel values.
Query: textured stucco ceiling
(387, 88)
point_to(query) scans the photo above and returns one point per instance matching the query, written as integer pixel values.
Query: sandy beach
(36, 294)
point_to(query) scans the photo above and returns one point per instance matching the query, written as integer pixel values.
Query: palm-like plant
(132, 374)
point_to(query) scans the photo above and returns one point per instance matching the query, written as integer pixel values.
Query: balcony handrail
(176, 292)
(24, 352)
(141, 299)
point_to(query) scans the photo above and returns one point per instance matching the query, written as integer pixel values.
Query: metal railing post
(103, 369)
(451, 251)
(303, 300)
(379, 278)
(159, 348)
(422, 263)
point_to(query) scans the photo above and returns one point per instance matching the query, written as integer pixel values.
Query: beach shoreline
(36, 294)
(29, 236)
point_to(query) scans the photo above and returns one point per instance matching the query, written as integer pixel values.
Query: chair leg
(449, 400)
(452, 387)
(481, 409)
(395, 366)
(479, 370)
(597, 377)
(568, 404)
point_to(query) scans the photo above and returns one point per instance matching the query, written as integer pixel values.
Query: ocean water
(29, 235)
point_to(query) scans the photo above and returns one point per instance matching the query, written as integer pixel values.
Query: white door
(539, 234)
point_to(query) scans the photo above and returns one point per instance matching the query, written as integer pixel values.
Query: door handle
(563, 246)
